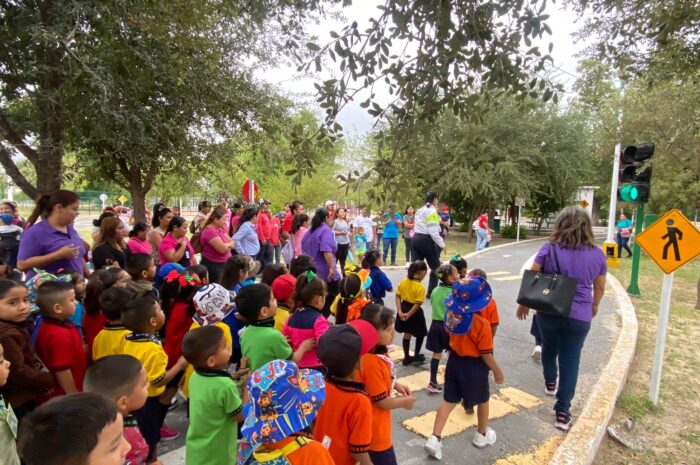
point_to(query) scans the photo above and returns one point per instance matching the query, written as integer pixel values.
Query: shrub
(510, 232)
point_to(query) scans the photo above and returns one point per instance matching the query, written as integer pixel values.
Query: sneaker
(407, 361)
(537, 353)
(173, 403)
(168, 434)
(418, 359)
(483, 440)
(434, 388)
(550, 389)
(563, 421)
(433, 447)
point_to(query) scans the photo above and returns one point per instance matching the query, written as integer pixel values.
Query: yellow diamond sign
(671, 241)
(122, 199)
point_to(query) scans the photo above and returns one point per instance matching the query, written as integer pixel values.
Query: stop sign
(247, 191)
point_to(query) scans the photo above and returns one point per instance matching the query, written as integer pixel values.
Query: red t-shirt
(92, 325)
(60, 347)
(274, 231)
(263, 227)
(179, 322)
(287, 225)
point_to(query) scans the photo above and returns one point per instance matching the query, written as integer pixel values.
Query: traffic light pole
(633, 288)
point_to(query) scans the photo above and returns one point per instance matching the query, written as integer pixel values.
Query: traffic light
(634, 180)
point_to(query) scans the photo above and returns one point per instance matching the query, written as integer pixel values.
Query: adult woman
(571, 251)
(246, 238)
(175, 247)
(204, 208)
(408, 232)
(427, 241)
(319, 244)
(300, 226)
(624, 231)
(482, 233)
(138, 238)
(8, 206)
(162, 216)
(110, 250)
(53, 244)
(97, 225)
(216, 243)
(341, 230)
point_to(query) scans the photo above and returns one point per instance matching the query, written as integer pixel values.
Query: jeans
(265, 256)
(562, 342)
(378, 239)
(482, 239)
(278, 253)
(623, 243)
(392, 242)
(408, 242)
(424, 248)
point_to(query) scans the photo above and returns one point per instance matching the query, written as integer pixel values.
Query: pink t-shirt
(209, 252)
(296, 240)
(170, 243)
(138, 246)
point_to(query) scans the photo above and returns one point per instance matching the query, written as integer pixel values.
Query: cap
(391, 205)
(167, 268)
(283, 287)
(283, 401)
(264, 201)
(468, 296)
(212, 303)
(445, 208)
(329, 202)
(341, 346)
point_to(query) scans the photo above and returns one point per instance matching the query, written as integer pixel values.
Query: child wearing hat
(344, 422)
(283, 290)
(467, 372)
(283, 404)
(490, 312)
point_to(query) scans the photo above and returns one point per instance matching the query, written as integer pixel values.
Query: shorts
(466, 380)
(438, 339)
(385, 457)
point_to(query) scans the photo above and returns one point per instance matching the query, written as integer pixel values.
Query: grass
(673, 424)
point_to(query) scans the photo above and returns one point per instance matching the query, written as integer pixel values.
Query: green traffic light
(629, 193)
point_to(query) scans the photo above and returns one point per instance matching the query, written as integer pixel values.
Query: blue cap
(469, 295)
(167, 268)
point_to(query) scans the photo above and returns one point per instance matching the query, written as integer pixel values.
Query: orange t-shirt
(376, 376)
(478, 341)
(344, 422)
(311, 453)
(490, 313)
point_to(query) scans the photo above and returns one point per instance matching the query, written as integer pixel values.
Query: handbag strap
(553, 250)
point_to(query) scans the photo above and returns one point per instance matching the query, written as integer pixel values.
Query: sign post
(633, 288)
(103, 199)
(671, 241)
(520, 202)
(250, 191)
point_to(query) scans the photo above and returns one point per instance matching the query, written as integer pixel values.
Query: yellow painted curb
(581, 443)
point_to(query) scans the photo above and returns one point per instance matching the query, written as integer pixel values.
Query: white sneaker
(483, 440)
(433, 447)
(537, 353)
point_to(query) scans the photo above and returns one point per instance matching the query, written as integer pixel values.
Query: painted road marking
(493, 273)
(419, 381)
(508, 278)
(395, 352)
(508, 401)
(542, 454)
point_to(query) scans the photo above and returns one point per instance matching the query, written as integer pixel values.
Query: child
(97, 283)
(360, 243)
(300, 225)
(344, 422)
(282, 407)
(283, 290)
(84, 428)
(56, 301)
(201, 271)
(142, 270)
(351, 300)
(27, 380)
(8, 427)
(378, 374)
(467, 373)
(138, 239)
(438, 339)
(260, 343)
(461, 264)
(272, 272)
(380, 282)
(490, 312)
(78, 281)
(307, 322)
(110, 340)
(144, 317)
(410, 317)
(216, 405)
(239, 271)
(123, 379)
(301, 264)
(10, 234)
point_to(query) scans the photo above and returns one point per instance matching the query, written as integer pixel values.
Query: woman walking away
(571, 251)
(427, 242)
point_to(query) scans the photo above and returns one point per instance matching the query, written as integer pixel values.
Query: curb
(581, 443)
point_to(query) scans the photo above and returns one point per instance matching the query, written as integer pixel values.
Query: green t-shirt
(263, 344)
(437, 301)
(212, 437)
(8, 435)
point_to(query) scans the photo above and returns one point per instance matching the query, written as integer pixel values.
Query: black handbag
(548, 293)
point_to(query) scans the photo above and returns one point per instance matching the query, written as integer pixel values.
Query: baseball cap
(445, 208)
(283, 287)
(391, 205)
(341, 346)
(329, 202)
(212, 303)
(167, 268)
(468, 296)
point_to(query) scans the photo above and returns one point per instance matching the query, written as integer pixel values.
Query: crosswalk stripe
(508, 278)
(494, 273)
(543, 454)
(506, 402)
(419, 381)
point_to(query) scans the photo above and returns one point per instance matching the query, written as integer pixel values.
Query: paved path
(522, 414)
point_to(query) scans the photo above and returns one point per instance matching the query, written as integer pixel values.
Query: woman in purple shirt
(319, 244)
(562, 338)
(52, 244)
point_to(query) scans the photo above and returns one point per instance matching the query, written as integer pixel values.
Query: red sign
(246, 191)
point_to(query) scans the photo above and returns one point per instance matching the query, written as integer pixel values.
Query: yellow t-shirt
(190, 369)
(148, 350)
(411, 291)
(109, 341)
(280, 318)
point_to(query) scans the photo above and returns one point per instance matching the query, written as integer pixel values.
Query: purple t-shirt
(314, 244)
(42, 239)
(584, 264)
(209, 252)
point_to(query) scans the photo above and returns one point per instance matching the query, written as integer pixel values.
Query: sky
(356, 121)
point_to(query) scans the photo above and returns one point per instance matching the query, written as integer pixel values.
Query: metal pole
(613, 193)
(633, 288)
(251, 191)
(661, 329)
(517, 233)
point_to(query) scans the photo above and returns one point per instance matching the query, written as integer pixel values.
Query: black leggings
(408, 242)
(424, 248)
(342, 255)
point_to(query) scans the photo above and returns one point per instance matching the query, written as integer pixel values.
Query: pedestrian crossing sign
(671, 241)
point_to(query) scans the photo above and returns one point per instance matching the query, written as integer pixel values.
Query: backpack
(475, 224)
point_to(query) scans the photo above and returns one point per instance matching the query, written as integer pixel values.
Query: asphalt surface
(525, 415)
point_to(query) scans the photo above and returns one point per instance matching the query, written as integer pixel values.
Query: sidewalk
(522, 415)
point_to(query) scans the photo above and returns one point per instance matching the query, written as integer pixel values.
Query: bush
(510, 232)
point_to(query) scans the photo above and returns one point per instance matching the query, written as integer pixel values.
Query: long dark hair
(381, 318)
(176, 222)
(298, 221)
(218, 212)
(138, 227)
(45, 204)
(7, 284)
(371, 258)
(247, 215)
(97, 283)
(159, 211)
(108, 233)
(318, 219)
(231, 274)
(573, 229)
(348, 289)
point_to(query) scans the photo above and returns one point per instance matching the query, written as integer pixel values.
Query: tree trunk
(139, 185)
(697, 303)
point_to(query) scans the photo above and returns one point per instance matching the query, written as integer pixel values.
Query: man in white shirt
(363, 221)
